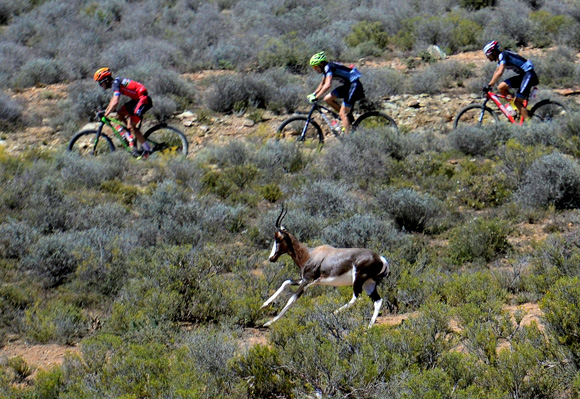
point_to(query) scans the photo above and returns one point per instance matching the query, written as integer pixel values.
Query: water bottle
(126, 135)
(335, 125)
(509, 109)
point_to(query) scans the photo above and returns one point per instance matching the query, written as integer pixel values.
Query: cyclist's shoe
(144, 154)
(137, 153)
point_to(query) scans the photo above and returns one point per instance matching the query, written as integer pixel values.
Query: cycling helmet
(317, 59)
(102, 74)
(490, 47)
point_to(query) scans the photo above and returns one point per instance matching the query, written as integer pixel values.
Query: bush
(55, 322)
(326, 199)
(365, 158)
(368, 33)
(479, 239)
(551, 180)
(52, 258)
(476, 4)
(380, 83)
(42, 71)
(16, 238)
(411, 211)
(10, 111)
(558, 68)
(561, 307)
(363, 231)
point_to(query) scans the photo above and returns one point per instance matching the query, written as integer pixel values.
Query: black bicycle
(306, 128)
(162, 139)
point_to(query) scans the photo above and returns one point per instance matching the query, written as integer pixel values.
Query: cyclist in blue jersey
(350, 91)
(524, 81)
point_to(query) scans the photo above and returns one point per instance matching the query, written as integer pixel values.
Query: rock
(186, 115)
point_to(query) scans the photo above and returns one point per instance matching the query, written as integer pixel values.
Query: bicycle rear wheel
(548, 111)
(473, 115)
(374, 120)
(167, 140)
(296, 125)
(85, 143)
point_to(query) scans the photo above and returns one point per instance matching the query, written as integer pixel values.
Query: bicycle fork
(302, 136)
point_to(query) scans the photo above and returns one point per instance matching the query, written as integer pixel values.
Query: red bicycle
(476, 114)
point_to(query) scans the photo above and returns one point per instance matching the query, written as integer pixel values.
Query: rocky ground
(411, 112)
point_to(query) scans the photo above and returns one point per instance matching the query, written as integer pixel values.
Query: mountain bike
(162, 138)
(544, 111)
(306, 128)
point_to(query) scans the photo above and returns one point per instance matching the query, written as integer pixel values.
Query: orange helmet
(101, 74)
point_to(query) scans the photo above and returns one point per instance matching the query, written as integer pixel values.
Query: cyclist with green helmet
(350, 91)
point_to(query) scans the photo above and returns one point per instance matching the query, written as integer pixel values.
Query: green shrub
(364, 32)
(262, 376)
(364, 231)
(21, 369)
(411, 210)
(16, 238)
(42, 71)
(479, 239)
(551, 180)
(271, 192)
(55, 322)
(53, 259)
(561, 307)
(476, 4)
(550, 27)
(11, 112)
(517, 158)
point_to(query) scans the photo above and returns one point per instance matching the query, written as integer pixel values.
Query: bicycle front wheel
(302, 128)
(374, 120)
(167, 140)
(85, 143)
(548, 111)
(475, 114)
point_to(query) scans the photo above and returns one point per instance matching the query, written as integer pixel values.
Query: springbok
(326, 265)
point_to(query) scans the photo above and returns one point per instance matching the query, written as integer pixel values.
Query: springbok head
(281, 238)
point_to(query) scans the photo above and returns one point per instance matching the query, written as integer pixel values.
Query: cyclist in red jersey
(132, 111)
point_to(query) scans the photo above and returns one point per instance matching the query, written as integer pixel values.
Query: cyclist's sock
(146, 147)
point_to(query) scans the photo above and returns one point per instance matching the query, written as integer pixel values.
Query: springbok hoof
(268, 324)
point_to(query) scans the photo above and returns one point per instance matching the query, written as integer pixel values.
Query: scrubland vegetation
(158, 269)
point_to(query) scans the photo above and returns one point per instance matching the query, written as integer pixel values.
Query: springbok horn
(283, 212)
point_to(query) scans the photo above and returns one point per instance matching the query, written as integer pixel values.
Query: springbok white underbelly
(343, 280)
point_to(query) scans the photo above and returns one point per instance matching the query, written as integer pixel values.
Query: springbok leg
(370, 287)
(303, 285)
(353, 300)
(282, 288)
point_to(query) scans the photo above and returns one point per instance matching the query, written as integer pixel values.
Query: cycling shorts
(524, 83)
(136, 108)
(350, 93)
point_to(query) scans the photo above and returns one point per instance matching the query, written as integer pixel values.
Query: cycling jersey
(343, 73)
(129, 88)
(515, 62)
(140, 101)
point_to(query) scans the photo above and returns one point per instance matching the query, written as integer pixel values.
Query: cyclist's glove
(100, 114)
(486, 88)
(311, 98)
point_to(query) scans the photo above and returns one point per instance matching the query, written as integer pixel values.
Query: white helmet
(490, 47)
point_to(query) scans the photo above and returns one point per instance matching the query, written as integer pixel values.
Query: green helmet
(318, 58)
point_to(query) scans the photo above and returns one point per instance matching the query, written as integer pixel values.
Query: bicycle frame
(321, 110)
(107, 120)
(495, 98)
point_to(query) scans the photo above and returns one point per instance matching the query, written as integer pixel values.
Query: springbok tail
(386, 270)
